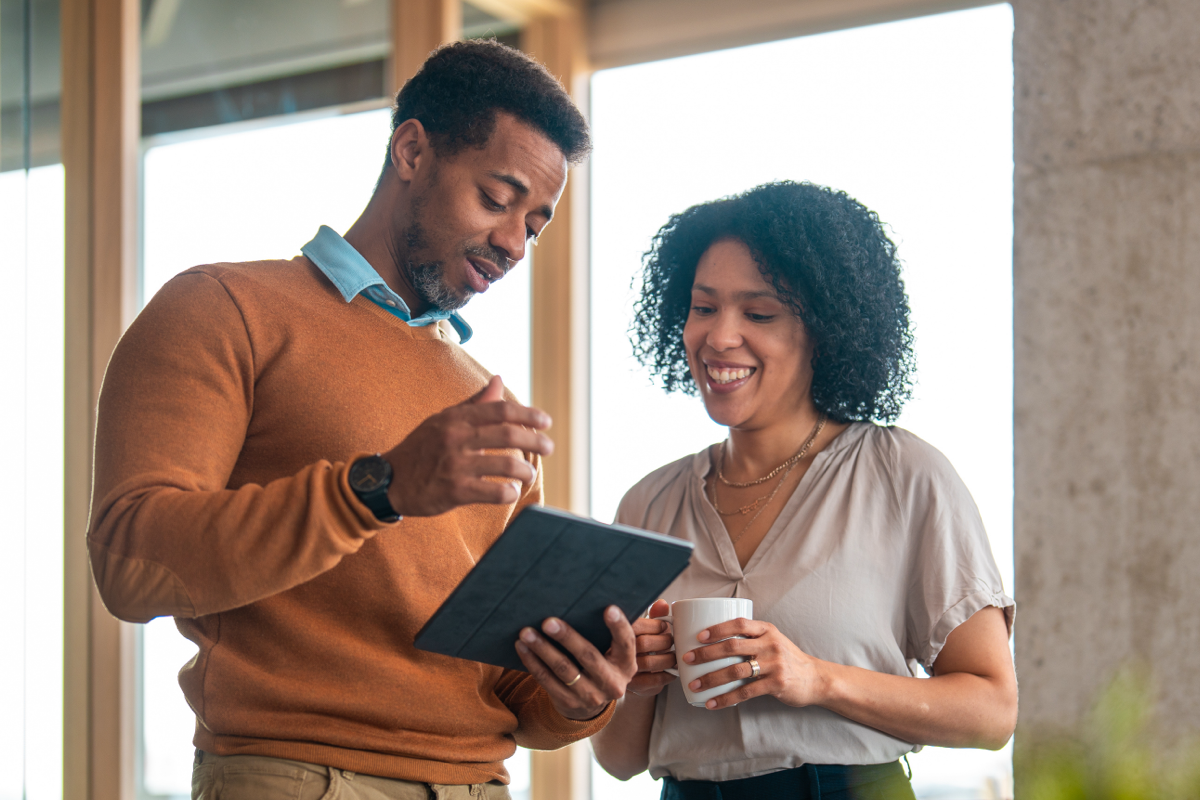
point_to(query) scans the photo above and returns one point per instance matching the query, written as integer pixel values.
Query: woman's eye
(701, 310)
(761, 317)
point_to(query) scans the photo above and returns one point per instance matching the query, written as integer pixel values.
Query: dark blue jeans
(810, 782)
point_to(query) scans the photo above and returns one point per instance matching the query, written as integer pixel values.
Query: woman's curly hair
(828, 258)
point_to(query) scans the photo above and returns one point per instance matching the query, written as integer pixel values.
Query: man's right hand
(442, 464)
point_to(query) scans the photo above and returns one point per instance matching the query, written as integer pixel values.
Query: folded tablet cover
(549, 563)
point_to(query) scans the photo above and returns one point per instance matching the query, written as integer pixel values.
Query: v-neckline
(720, 534)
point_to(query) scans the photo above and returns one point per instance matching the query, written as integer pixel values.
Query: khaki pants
(263, 778)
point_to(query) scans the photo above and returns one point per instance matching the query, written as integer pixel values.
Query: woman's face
(749, 354)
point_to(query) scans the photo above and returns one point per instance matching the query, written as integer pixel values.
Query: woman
(861, 548)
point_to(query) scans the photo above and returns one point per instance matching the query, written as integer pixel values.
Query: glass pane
(479, 24)
(13, 670)
(45, 367)
(214, 63)
(913, 118)
(31, 404)
(254, 194)
(29, 134)
(226, 61)
(519, 774)
(167, 720)
(198, 196)
(31, 433)
(500, 319)
(239, 197)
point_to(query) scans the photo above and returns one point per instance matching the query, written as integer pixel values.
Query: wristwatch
(370, 478)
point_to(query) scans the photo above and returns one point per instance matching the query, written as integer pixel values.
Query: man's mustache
(491, 254)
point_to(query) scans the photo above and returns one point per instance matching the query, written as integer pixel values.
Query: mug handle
(667, 619)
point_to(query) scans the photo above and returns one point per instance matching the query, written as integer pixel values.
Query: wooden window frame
(100, 126)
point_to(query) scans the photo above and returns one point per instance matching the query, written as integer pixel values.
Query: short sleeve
(658, 494)
(952, 573)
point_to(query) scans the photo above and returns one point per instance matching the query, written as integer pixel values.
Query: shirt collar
(353, 275)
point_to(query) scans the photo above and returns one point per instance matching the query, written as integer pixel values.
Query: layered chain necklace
(760, 504)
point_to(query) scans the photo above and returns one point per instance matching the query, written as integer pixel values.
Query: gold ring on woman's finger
(575, 680)
(755, 669)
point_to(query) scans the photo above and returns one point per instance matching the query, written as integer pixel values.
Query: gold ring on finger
(575, 680)
(755, 669)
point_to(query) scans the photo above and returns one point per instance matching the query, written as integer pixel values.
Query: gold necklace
(812, 437)
(756, 504)
(751, 506)
(767, 498)
(771, 497)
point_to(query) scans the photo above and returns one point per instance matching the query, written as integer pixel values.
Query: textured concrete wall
(1107, 322)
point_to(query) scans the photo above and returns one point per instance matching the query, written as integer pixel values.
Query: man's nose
(509, 239)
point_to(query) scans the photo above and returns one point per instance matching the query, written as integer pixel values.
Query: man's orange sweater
(230, 412)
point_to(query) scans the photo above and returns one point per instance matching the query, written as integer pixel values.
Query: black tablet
(549, 563)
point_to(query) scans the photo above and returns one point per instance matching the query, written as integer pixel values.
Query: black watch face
(369, 473)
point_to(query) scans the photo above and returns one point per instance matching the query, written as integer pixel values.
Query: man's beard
(429, 282)
(428, 278)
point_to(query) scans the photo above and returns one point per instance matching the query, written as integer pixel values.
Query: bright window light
(912, 118)
(32, 318)
(261, 194)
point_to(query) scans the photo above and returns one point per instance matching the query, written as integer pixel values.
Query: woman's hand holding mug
(654, 654)
(696, 618)
(784, 670)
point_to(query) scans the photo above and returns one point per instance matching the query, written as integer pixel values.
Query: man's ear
(409, 149)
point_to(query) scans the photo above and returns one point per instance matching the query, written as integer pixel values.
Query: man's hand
(442, 464)
(575, 693)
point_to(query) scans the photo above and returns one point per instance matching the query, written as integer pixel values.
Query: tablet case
(549, 563)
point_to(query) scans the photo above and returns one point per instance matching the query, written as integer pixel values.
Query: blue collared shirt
(353, 275)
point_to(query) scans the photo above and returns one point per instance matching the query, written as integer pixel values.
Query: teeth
(728, 375)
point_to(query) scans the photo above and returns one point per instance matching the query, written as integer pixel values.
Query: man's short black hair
(828, 257)
(462, 85)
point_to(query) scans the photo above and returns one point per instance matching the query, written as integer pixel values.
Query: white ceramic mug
(688, 618)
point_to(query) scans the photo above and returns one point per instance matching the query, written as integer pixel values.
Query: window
(32, 329)
(262, 193)
(263, 121)
(912, 118)
(31, 475)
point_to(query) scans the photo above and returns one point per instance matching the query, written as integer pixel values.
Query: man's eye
(490, 203)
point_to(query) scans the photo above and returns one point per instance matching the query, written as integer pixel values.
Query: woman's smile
(726, 378)
(748, 352)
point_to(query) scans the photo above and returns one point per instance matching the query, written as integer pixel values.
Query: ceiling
(192, 46)
(207, 62)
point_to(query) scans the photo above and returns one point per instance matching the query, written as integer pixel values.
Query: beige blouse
(878, 555)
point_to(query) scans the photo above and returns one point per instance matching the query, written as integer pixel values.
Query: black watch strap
(370, 478)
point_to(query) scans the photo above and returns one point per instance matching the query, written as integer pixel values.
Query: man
(238, 486)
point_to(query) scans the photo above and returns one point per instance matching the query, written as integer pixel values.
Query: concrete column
(1107, 323)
